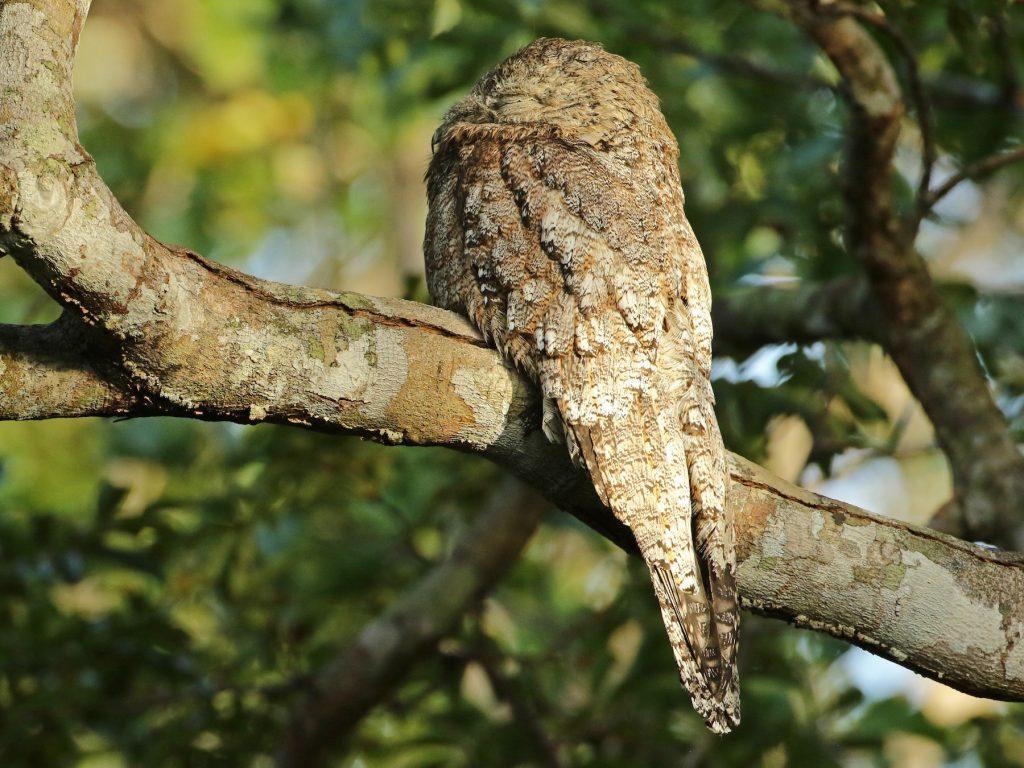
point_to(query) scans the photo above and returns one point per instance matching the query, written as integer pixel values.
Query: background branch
(367, 671)
(933, 352)
(975, 170)
(803, 313)
(915, 86)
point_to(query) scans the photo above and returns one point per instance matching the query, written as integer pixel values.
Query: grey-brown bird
(556, 225)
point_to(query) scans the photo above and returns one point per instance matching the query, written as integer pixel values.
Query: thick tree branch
(934, 353)
(48, 371)
(194, 339)
(367, 671)
(413, 374)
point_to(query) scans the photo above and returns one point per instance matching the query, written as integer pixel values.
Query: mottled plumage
(556, 224)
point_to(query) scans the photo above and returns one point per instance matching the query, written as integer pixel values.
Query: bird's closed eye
(513, 98)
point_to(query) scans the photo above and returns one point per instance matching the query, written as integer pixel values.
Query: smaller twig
(975, 170)
(408, 530)
(1006, 61)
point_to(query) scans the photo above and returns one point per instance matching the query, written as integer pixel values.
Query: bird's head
(575, 86)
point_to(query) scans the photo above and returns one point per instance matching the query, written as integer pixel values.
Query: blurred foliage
(165, 586)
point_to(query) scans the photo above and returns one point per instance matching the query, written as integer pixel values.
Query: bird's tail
(667, 482)
(695, 633)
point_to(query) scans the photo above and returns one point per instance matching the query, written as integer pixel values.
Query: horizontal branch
(49, 371)
(802, 313)
(401, 372)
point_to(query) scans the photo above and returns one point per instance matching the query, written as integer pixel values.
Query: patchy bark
(915, 596)
(49, 371)
(411, 374)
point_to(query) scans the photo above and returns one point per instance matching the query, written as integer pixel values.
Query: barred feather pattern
(556, 224)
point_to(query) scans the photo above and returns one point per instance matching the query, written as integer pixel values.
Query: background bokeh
(163, 584)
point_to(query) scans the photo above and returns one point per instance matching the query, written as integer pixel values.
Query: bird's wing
(583, 272)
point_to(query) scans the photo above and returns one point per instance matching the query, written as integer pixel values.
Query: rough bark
(934, 353)
(49, 371)
(165, 331)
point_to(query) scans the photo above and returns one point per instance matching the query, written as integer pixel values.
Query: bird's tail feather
(682, 536)
(694, 634)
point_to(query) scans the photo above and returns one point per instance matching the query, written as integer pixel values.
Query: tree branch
(934, 354)
(922, 106)
(367, 671)
(194, 339)
(49, 371)
(803, 313)
(976, 170)
(414, 374)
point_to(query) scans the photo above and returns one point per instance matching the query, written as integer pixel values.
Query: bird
(556, 224)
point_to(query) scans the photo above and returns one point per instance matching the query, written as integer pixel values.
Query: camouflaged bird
(556, 225)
